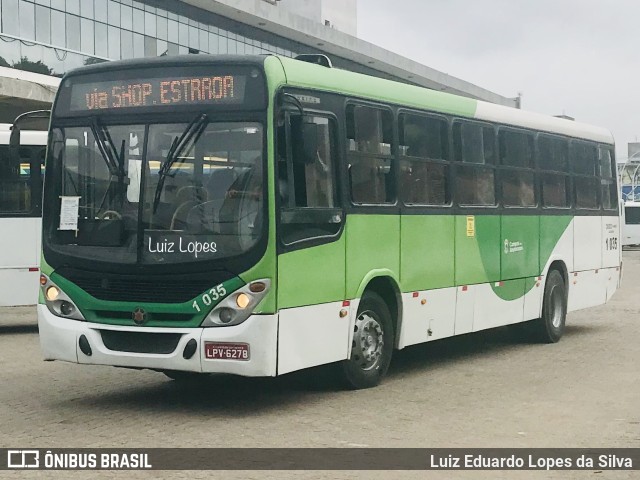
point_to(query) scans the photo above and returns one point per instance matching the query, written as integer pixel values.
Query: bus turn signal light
(43, 280)
(257, 287)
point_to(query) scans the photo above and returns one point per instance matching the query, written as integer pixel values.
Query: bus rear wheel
(550, 326)
(372, 344)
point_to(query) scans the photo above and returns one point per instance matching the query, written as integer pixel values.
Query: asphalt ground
(489, 389)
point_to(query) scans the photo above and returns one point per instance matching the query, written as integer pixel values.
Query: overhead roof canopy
(22, 91)
(321, 39)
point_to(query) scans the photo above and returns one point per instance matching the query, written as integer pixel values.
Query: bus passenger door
(311, 261)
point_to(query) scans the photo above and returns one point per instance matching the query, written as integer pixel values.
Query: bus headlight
(242, 300)
(236, 308)
(57, 301)
(52, 293)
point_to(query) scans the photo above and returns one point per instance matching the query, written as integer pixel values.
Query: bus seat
(203, 217)
(187, 198)
(219, 183)
(367, 182)
(240, 192)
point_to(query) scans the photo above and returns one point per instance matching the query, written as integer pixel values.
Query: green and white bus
(262, 215)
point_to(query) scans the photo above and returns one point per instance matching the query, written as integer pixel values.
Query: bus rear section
(20, 216)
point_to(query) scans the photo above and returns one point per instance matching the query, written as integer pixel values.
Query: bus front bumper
(60, 339)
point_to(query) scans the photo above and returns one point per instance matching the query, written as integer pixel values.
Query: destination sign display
(165, 91)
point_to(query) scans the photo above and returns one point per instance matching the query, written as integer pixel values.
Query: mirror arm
(14, 138)
(32, 114)
(291, 98)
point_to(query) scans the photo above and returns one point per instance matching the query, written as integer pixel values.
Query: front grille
(153, 316)
(140, 342)
(129, 288)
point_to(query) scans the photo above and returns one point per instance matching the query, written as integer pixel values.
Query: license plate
(226, 351)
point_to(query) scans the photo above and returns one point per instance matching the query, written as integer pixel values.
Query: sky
(575, 57)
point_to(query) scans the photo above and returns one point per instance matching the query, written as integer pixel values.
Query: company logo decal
(512, 247)
(139, 316)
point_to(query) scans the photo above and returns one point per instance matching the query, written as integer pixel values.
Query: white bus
(20, 216)
(631, 227)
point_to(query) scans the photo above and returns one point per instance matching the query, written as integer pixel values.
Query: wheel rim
(368, 340)
(556, 303)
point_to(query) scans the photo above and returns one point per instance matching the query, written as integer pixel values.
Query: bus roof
(166, 61)
(312, 76)
(27, 137)
(308, 75)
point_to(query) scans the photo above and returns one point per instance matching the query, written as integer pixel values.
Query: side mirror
(14, 145)
(309, 149)
(14, 139)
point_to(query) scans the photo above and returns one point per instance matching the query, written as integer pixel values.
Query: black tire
(372, 346)
(550, 327)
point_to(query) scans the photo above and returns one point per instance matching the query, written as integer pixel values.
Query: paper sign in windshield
(69, 213)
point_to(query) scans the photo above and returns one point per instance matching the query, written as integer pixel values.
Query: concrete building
(54, 36)
(339, 14)
(22, 91)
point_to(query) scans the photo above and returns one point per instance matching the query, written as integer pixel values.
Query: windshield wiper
(115, 161)
(192, 132)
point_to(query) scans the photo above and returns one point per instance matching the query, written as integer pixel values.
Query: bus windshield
(159, 193)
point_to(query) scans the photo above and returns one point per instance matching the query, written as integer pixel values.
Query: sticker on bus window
(69, 213)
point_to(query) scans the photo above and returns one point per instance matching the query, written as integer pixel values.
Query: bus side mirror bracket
(14, 138)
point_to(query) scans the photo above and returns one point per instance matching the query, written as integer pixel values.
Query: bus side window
(517, 176)
(307, 180)
(282, 186)
(632, 215)
(474, 150)
(424, 143)
(585, 178)
(16, 180)
(553, 160)
(314, 180)
(370, 138)
(608, 178)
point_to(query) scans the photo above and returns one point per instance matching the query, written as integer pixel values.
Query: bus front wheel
(550, 327)
(372, 344)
